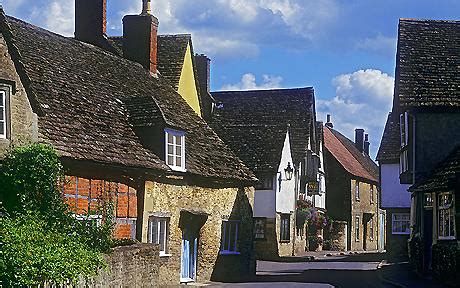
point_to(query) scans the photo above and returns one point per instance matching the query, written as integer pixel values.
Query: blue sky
(344, 49)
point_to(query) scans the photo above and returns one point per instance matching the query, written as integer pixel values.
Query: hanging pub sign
(313, 188)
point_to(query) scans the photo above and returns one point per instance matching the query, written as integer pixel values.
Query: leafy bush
(446, 261)
(32, 253)
(42, 240)
(314, 242)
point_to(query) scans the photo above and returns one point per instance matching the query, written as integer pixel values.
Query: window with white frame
(229, 238)
(175, 149)
(259, 228)
(158, 233)
(404, 161)
(3, 122)
(428, 200)
(403, 128)
(285, 227)
(357, 230)
(446, 216)
(400, 223)
(357, 191)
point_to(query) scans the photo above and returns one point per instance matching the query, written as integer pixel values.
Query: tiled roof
(171, 55)
(390, 144)
(428, 63)
(254, 124)
(91, 100)
(352, 160)
(446, 176)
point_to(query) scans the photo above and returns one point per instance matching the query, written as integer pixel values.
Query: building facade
(352, 188)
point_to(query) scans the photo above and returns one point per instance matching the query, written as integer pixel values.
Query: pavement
(333, 269)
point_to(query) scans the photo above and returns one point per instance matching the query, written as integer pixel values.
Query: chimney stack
(90, 21)
(367, 144)
(203, 64)
(140, 38)
(359, 139)
(329, 123)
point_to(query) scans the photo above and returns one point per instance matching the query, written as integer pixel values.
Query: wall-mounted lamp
(288, 172)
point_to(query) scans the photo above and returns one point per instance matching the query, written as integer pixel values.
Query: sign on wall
(313, 188)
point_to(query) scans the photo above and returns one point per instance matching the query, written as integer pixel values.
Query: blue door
(188, 256)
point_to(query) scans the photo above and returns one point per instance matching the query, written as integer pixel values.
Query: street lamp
(288, 171)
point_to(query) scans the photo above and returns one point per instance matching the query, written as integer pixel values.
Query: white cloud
(11, 6)
(363, 100)
(57, 16)
(380, 44)
(248, 82)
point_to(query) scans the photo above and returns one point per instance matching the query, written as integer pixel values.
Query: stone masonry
(218, 204)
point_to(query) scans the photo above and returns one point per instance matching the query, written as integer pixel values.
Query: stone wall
(217, 204)
(128, 266)
(23, 127)
(366, 210)
(267, 249)
(335, 236)
(285, 248)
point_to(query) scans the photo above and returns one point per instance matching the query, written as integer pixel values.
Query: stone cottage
(274, 133)
(351, 182)
(121, 129)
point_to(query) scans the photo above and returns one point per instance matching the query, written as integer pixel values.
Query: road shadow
(364, 257)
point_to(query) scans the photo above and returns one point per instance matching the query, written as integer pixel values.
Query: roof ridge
(430, 20)
(265, 90)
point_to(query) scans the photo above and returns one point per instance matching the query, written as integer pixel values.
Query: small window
(428, 200)
(175, 149)
(371, 229)
(229, 240)
(446, 216)
(265, 182)
(372, 194)
(90, 220)
(158, 233)
(285, 228)
(259, 228)
(404, 161)
(403, 127)
(400, 223)
(357, 191)
(3, 115)
(357, 228)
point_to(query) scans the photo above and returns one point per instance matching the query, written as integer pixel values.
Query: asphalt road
(344, 271)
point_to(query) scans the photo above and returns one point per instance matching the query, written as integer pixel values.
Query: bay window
(446, 216)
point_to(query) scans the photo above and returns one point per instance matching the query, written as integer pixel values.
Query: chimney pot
(359, 139)
(146, 8)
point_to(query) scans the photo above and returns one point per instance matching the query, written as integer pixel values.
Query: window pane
(2, 127)
(170, 139)
(170, 160)
(178, 140)
(178, 151)
(170, 149)
(179, 161)
(233, 237)
(2, 110)
(162, 235)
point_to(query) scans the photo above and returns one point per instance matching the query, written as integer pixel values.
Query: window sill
(165, 255)
(177, 169)
(285, 241)
(447, 238)
(229, 253)
(400, 233)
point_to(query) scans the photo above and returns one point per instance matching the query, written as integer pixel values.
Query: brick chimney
(329, 123)
(359, 139)
(90, 21)
(140, 38)
(203, 67)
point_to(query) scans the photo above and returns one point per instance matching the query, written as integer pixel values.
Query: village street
(357, 270)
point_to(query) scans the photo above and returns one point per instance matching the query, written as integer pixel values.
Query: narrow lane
(344, 271)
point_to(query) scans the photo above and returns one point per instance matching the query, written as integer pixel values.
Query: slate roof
(91, 100)
(352, 160)
(428, 63)
(254, 124)
(445, 177)
(390, 144)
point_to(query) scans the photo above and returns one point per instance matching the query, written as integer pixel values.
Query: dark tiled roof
(91, 100)
(390, 144)
(254, 124)
(355, 162)
(428, 63)
(171, 55)
(446, 176)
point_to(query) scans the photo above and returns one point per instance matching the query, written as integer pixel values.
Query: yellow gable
(187, 85)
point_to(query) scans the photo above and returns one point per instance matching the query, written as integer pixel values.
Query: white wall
(265, 203)
(394, 194)
(285, 194)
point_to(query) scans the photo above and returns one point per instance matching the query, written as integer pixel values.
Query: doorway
(188, 256)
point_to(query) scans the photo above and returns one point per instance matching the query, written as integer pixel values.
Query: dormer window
(175, 149)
